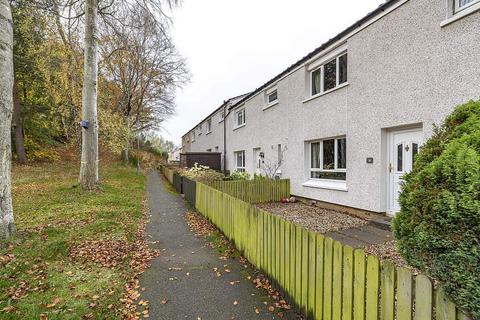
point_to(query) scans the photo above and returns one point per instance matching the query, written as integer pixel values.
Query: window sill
(343, 85)
(208, 133)
(338, 185)
(461, 14)
(240, 126)
(270, 105)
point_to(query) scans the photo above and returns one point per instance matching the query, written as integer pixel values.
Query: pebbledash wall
(409, 64)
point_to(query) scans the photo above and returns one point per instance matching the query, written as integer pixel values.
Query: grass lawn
(47, 268)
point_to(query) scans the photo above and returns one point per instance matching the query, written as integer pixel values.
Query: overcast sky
(233, 47)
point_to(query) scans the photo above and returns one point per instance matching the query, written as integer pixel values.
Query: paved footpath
(201, 294)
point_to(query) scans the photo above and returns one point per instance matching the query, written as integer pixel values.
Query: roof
(232, 100)
(359, 23)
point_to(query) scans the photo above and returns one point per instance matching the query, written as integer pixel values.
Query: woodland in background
(139, 72)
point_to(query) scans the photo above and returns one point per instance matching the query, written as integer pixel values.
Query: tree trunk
(89, 159)
(17, 118)
(125, 154)
(7, 227)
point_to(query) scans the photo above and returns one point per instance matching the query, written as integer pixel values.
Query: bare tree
(141, 59)
(7, 227)
(271, 167)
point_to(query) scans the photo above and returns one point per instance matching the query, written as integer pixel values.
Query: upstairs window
(209, 125)
(193, 135)
(328, 159)
(199, 129)
(272, 97)
(463, 4)
(329, 75)
(240, 118)
(240, 161)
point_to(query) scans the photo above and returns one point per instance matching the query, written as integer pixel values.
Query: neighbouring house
(174, 156)
(209, 134)
(347, 120)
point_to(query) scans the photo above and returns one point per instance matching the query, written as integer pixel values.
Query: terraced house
(347, 120)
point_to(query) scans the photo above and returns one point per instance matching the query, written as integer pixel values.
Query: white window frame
(268, 93)
(237, 167)
(209, 125)
(236, 124)
(458, 8)
(338, 85)
(193, 136)
(321, 169)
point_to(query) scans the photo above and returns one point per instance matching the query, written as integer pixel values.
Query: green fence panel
(404, 294)
(328, 278)
(319, 276)
(254, 191)
(347, 290)
(372, 288)
(282, 253)
(444, 308)
(298, 265)
(423, 298)
(312, 271)
(388, 291)
(305, 274)
(337, 281)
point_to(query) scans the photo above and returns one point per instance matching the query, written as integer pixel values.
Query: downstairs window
(328, 159)
(240, 161)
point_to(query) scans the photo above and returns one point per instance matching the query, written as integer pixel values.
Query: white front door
(403, 147)
(257, 161)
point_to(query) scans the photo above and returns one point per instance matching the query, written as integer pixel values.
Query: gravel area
(388, 251)
(313, 218)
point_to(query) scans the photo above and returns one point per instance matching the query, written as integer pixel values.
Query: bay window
(328, 159)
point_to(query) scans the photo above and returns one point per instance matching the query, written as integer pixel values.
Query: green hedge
(438, 228)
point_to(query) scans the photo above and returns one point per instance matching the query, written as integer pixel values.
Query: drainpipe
(224, 137)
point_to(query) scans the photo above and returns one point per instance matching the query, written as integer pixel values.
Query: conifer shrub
(438, 227)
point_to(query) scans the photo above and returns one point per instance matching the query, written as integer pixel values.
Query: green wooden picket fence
(255, 191)
(322, 277)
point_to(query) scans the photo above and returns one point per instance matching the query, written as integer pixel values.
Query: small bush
(257, 176)
(201, 174)
(438, 228)
(237, 175)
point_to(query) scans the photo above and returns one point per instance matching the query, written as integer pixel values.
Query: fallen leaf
(54, 303)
